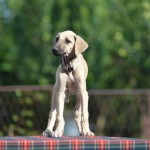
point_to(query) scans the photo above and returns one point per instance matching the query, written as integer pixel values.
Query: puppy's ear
(57, 36)
(80, 45)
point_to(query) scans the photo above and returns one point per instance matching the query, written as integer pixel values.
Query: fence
(24, 111)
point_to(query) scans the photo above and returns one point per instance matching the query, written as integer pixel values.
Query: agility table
(73, 143)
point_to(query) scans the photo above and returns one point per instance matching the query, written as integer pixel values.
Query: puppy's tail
(67, 93)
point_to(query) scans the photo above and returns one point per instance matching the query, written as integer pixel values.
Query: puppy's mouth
(56, 53)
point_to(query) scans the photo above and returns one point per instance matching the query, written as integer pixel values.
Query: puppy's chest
(71, 84)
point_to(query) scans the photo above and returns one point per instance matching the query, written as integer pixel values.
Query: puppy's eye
(57, 38)
(68, 41)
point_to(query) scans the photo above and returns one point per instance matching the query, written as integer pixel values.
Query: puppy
(71, 75)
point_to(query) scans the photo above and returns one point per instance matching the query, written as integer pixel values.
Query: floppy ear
(80, 45)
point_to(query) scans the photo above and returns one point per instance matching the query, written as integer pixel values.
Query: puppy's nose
(54, 50)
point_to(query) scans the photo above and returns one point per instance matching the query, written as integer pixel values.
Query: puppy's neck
(67, 59)
(68, 63)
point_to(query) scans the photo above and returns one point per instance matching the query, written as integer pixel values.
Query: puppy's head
(66, 42)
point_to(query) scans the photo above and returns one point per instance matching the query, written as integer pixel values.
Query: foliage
(117, 33)
(125, 120)
(27, 114)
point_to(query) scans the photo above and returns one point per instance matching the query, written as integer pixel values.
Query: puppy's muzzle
(57, 53)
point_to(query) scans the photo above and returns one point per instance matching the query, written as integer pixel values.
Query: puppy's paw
(87, 133)
(57, 133)
(47, 133)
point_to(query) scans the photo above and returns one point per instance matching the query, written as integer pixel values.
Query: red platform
(73, 143)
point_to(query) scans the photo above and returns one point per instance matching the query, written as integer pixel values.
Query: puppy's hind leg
(84, 109)
(67, 95)
(52, 115)
(77, 114)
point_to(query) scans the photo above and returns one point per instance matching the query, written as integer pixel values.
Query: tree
(117, 33)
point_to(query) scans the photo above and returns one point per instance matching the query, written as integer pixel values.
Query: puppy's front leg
(60, 99)
(59, 116)
(52, 115)
(83, 96)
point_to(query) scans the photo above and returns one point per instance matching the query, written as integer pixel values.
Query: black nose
(55, 52)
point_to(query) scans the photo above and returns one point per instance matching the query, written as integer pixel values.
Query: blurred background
(118, 34)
